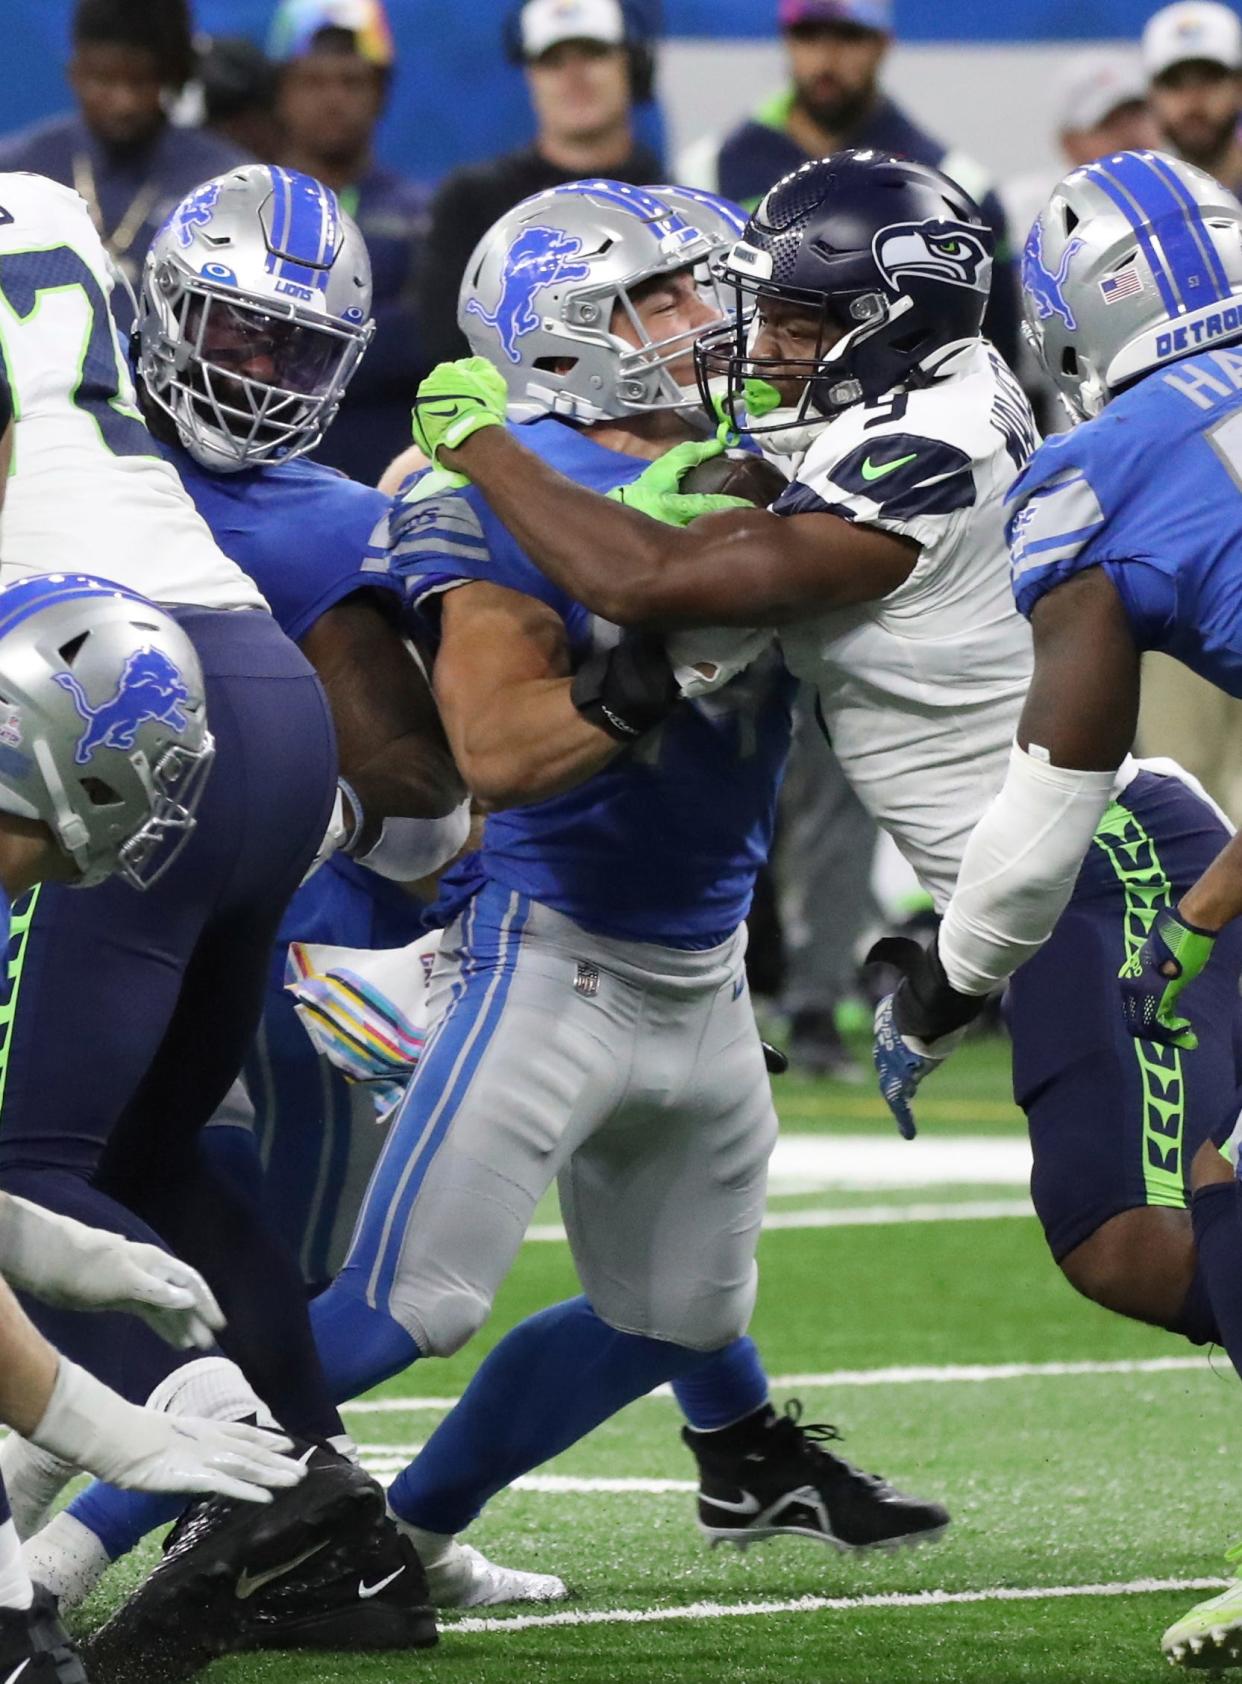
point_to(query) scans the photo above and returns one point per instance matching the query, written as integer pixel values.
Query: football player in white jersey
(884, 570)
(159, 993)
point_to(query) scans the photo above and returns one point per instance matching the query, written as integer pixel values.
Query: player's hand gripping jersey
(920, 691)
(1151, 491)
(88, 483)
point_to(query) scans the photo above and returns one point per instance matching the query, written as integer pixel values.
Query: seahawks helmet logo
(933, 251)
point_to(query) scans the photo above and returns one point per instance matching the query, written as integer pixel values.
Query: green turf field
(1087, 1461)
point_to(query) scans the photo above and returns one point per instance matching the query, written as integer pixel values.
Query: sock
(211, 1387)
(548, 1383)
(1196, 1320)
(34, 1479)
(68, 1558)
(430, 1547)
(358, 1346)
(16, 1590)
(1216, 1212)
(729, 1386)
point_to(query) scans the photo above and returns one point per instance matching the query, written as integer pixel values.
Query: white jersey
(921, 690)
(88, 491)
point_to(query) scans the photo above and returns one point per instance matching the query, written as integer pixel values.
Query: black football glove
(627, 690)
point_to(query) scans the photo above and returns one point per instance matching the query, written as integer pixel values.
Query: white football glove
(93, 1428)
(74, 1267)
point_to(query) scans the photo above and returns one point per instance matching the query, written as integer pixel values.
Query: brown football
(738, 473)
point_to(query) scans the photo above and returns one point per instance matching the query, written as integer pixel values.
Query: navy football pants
(129, 1015)
(1115, 1123)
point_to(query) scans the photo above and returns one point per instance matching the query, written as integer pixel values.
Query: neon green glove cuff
(454, 401)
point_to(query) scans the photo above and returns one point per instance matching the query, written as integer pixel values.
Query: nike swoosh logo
(749, 1504)
(364, 1591)
(248, 1583)
(14, 1676)
(877, 470)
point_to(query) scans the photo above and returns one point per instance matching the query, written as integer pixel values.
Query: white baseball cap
(1192, 29)
(1096, 85)
(546, 23)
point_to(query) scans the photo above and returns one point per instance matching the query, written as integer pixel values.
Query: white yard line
(860, 1216)
(819, 1604)
(952, 1374)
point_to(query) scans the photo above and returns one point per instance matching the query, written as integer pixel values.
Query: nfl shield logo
(586, 982)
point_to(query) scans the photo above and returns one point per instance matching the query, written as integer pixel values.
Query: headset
(642, 23)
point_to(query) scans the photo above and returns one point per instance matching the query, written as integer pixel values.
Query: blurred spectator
(130, 60)
(1101, 106)
(836, 49)
(335, 65)
(237, 85)
(586, 64)
(1193, 54)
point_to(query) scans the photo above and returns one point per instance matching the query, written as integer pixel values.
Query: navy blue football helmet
(892, 256)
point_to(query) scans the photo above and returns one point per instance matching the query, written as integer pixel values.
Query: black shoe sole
(742, 1538)
(141, 1645)
(386, 1628)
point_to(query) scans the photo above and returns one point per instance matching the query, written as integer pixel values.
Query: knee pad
(439, 1317)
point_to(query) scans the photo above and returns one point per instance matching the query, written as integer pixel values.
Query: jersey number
(25, 276)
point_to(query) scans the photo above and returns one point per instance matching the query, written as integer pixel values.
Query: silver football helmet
(1135, 261)
(103, 724)
(255, 311)
(542, 285)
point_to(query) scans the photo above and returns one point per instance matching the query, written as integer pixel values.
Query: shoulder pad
(905, 475)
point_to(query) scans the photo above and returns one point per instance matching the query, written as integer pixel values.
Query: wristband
(628, 690)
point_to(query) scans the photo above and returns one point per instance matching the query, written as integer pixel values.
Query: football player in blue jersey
(589, 1018)
(201, 351)
(1125, 536)
(213, 355)
(884, 567)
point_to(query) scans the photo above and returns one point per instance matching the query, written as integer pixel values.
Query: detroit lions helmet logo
(538, 258)
(934, 250)
(151, 687)
(1043, 287)
(196, 212)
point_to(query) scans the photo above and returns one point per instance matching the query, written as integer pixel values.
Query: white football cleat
(460, 1576)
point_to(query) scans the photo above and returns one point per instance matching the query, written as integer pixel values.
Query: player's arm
(393, 753)
(1077, 726)
(745, 567)
(502, 682)
(1023, 857)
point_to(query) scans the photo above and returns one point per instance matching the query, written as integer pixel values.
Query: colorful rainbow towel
(365, 1011)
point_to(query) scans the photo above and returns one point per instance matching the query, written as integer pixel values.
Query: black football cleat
(320, 1567)
(773, 1480)
(35, 1648)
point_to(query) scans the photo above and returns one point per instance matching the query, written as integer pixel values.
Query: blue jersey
(663, 844)
(305, 534)
(1151, 491)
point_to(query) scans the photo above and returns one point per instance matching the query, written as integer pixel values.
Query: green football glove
(1152, 978)
(656, 491)
(454, 401)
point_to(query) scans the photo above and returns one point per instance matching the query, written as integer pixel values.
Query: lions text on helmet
(103, 725)
(254, 314)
